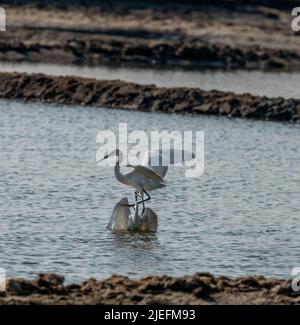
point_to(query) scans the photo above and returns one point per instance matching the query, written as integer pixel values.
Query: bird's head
(112, 153)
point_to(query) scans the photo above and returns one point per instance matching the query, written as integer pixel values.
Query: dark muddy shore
(200, 288)
(147, 98)
(220, 34)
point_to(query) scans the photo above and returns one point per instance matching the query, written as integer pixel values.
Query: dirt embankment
(224, 34)
(148, 98)
(200, 288)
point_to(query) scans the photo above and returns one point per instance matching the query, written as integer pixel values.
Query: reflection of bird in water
(151, 173)
(122, 220)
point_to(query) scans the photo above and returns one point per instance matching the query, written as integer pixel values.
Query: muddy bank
(225, 34)
(187, 53)
(200, 288)
(148, 98)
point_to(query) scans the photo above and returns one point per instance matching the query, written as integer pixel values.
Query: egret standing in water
(122, 220)
(145, 177)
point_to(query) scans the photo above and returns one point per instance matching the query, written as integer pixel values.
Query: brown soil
(222, 34)
(200, 288)
(124, 95)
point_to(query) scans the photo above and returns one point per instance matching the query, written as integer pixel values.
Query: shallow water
(284, 84)
(240, 217)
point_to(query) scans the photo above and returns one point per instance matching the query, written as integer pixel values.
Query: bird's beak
(101, 159)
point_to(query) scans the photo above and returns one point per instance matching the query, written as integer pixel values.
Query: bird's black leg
(129, 205)
(136, 194)
(143, 201)
(141, 195)
(148, 196)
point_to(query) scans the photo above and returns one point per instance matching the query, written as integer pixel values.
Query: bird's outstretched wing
(149, 221)
(147, 171)
(159, 160)
(119, 218)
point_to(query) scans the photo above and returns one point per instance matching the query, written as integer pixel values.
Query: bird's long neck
(136, 217)
(119, 176)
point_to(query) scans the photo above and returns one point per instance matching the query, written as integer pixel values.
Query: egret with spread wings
(151, 173)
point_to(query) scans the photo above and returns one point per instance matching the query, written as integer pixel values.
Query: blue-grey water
(241, 217)
(261, 83)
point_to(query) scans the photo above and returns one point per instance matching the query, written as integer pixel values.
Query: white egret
(122, 220)
(151, 173)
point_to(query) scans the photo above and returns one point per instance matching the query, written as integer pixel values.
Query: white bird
(150, 175)
(122, 220)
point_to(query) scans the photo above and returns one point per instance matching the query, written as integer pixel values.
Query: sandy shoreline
(200, 288)
(146, 98)
(211, 35)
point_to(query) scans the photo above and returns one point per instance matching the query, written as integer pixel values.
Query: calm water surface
(241, 217)
(284, 84)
